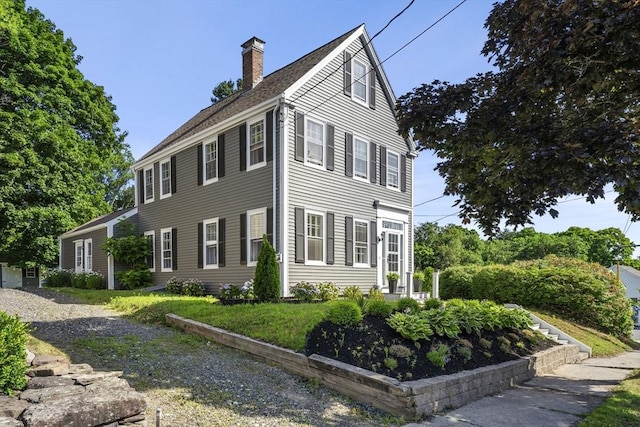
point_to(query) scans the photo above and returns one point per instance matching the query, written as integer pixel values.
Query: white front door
(11, 277)
(393, 253)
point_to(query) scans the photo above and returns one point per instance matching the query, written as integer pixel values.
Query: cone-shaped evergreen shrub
(266, 282)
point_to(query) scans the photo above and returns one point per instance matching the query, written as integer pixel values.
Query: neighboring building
(16, 277)
(630, 278)
(309, 155)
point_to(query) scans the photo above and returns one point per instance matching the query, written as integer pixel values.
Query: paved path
(561, 399)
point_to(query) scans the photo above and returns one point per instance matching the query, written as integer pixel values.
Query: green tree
(63, 158)
(131, 249)
(266, 281)
(441, 247)
(558, 117)
(225, 89)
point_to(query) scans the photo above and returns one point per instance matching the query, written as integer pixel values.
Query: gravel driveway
(193, 382)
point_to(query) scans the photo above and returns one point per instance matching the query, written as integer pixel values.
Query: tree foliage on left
(63, 158)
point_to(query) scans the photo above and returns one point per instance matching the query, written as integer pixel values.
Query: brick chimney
(252, 55)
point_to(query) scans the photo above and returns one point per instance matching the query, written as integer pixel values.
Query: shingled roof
(271, 86)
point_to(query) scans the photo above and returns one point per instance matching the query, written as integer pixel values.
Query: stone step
(583, 355)
(543, 331)
(554, 337)
(563, 342)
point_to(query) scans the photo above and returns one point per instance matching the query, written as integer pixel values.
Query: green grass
(37, 346)
(97, 297)
(621, 409)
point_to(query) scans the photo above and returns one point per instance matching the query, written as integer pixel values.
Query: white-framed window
(359, 84)
(360, 158)
(148, 184)
(257, 227)
(151, 258)
(30, 272)
(315, 237)
(165, 178)
(314, 139)
(78, 249)
(256, 148)
(393, 170)
(210, 243)
(167, 249)
(210, 159)
(88, 255)
(361, 243)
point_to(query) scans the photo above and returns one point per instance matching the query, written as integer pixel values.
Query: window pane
(212, 232)
(210, 159)
(148, 184)
(256, 143)
(256, 226)
(315, 242)
(315, 142)
(361, 242)
(166, 177)
(256, 245)
(392, 170)
(149, 259)
(211, 254)
(360, 80)
(361, 158)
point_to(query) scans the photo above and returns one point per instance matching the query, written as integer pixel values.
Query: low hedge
(455, 282)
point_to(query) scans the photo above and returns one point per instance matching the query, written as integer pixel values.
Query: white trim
(367, 84)
(78, 244)
(323, 215)
(398, 174)
(111, 283)
(250, 123)
(166, 160)
(368, 161)
(152, 233)
(367, 245)
(213, 141)
(250, 213)
(387, 212)
(322, 123)
(144, 184)
(162, 258)
(88, 243)
(206, 222)
(109, 225)
(284, 198)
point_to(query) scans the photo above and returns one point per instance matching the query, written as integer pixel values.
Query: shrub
(410, 326)
(57, 278)
(439, 355)
(344, 313)
(134, 278)
(328, 291)
(304, 291)
(432, 303)
(379, 308)
(455, 282)
(174, 286)
(266, 282)
(351, 292)
(408, 305)
(13, 336)
(79, 280)
(132, 249)
(94, 280)
(246, 290)
(192, 287)
(375, 293)
(390, 363)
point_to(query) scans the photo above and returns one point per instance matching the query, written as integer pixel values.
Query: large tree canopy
(559, 116)
(63, 160)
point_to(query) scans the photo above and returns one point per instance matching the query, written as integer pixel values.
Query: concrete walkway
(561, 399)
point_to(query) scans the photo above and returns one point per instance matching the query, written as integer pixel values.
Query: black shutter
(299, 232)
(373, 244)
(173, 174)
(141, 187)
(347, 73)
(299, 151)
(200, 161)
(403, 173)
(269, 135)
(330, 146)
(200, 248)
(348, 239)
(383, 165)
(174, 248)
(221, 237)
(221, 155)
(243, 147)
(348, 154)
(373, 152)
(243, 239)
(372, 88)
(270, 225)
(330, 238)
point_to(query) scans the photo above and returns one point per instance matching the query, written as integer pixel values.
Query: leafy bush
(266, 282)
(228, 291)
(432, 303)
(134, 278)
(379, 308)
(455, 282)
(174, 286)
(328, 291)
(442, 321)
(375, 293)
(345, 313)
(410, 326)
(79, 280)
(304, 291)
(439, 355)
(408, 305)
(94, 280)
(57, 278)
(352, 292)
(131, 249)
(13, 336)
(192, 288)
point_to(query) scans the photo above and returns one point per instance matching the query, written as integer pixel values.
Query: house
(630, 278)
(309, 155)
(16, 277)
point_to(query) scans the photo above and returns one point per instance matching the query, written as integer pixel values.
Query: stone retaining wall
(406, 399)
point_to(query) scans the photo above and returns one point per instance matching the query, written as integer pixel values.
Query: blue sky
(159, 60)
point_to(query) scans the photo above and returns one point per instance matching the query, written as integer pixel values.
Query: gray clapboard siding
(99, 256)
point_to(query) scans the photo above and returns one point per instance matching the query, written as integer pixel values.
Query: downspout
(283, 121)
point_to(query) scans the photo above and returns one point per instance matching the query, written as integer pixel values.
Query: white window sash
(151, 235)
(166, 235)
(360, 247)
(210, 242)
(210, 167)
(360, 82)
(256, 228)
(165, 179)
(314, 144)
(360, 158)
(315, 238)
(148, 185)
(393, 170)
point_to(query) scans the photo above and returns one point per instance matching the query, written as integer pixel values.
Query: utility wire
(429, 201)
(358, 51)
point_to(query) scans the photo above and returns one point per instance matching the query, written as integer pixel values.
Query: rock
(134, 419)
(49, 369)
(44, 382)
(109, 383)
(85, 379)
(51, 393)
(46, 359)
(11, 407)
(29, 357)
(80, 368)
(10, 422)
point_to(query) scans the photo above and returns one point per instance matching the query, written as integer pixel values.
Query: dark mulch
(368, 344)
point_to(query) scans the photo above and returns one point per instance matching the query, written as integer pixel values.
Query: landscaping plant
(266, 282)
(13, 336)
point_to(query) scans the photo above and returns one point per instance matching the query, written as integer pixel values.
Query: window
(210, 241)
(359, 85)
(393, 169)
(30, 273)
(167, 249)
(88, 255)
(79, 256)
(210, 162)
(256, 144)
(150, 259)
(165, 178)
(148, 184)
(361, 243)
(360, 158)
(257, 221)
(315, 237)
(314, 139)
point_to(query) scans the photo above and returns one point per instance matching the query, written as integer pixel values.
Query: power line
(428, 201)
(385, 60)
(358, 51)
